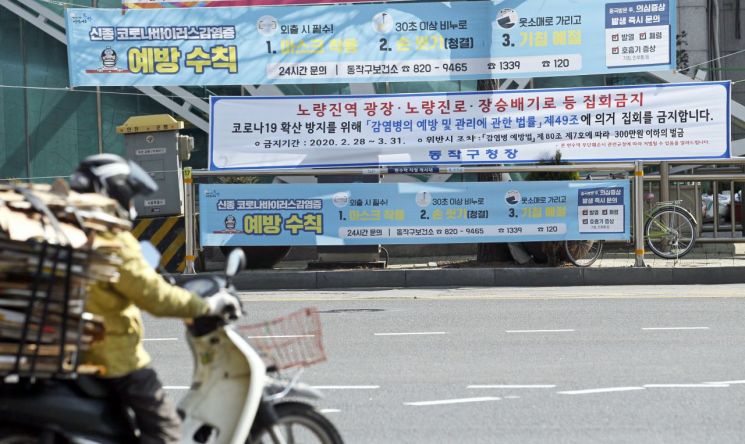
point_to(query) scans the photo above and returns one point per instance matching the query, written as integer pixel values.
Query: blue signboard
(368, 42)
(412, 213)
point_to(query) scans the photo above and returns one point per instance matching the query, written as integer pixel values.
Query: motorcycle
(234, 397)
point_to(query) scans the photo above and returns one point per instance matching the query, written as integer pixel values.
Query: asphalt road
(550, 365)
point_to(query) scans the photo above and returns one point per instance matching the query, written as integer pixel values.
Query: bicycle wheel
(299, 423)
(670, 233)
(583, 253)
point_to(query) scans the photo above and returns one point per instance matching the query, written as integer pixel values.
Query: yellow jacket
(139, 287)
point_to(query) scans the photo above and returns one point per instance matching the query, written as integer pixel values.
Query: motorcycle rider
(139, 287)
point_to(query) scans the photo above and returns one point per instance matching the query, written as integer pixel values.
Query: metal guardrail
(618, 166)
(730, 171)
(634, 170)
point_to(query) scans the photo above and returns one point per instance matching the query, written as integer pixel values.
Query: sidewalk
(704, 255)
(707, 264)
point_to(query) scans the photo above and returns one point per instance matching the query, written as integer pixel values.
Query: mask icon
(108, 57)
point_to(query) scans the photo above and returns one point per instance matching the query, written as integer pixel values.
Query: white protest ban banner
(649, 122)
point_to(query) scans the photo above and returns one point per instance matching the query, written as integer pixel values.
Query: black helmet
(113, 176)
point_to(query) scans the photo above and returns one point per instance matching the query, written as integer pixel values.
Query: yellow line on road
(502, 293)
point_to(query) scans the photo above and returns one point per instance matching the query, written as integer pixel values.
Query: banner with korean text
(650, 122)
(371, 42)
(159, 4)
(412, 213)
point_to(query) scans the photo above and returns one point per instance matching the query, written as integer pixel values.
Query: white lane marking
(742, 381)
(330, 410)
(280, 336)
(599, 390)
(705, 385)
(413, 333)
(539, 331)
(496, 386)
(675, 328)
(453, 401)
(318, 387)
(511, 397)
(160, 339)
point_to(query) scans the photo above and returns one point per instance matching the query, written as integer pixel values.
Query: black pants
(156, 416)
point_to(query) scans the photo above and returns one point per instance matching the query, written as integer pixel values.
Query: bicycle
(669, 232)
(583, 253)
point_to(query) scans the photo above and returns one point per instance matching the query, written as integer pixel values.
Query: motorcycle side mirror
(151, 254)
(236, 262)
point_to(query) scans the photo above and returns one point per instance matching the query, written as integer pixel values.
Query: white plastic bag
(707, 205)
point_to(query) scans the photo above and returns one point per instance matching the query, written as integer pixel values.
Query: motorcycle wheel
(17, 436)
(299, 423)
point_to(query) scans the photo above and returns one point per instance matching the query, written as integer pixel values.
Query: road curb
(481, 277)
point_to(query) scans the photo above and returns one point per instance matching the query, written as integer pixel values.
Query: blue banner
(367, 42)
(412, 213)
